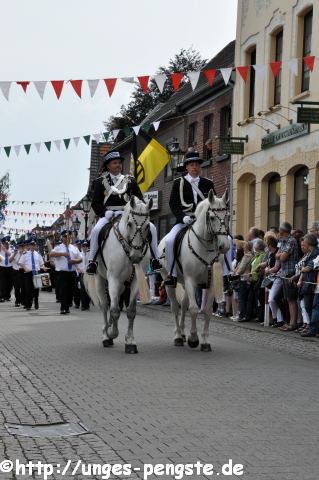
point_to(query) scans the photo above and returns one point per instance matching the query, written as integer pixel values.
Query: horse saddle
(105, 232)
(178, 244)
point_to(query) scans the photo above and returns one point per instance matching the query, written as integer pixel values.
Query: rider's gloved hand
(188, 220)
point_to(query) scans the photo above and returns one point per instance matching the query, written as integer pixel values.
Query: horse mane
(200, 207)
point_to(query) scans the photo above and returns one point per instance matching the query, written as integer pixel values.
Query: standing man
(31, 262)
(66, 258)
(112, 191)
(5, 270)
(187, 192)
(18, 274)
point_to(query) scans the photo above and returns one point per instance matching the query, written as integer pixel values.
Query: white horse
(200, 249)
(126, 246)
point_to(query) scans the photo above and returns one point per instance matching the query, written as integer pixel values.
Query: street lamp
(176, 156)
(76, 225)
(86, 207)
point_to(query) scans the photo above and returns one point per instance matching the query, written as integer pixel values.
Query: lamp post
(176, 156)
(76, 225)
(86, 207)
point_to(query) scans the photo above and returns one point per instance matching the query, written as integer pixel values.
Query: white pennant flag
(160, 81)
(156, 125)
(260, 70)
(76, 140)
(136, 129)
(5, 89)
(93, 84)
(17, 149)
(193, 77)
(57, 143)
(40, 87)
(96, 137)
(226, 73)
(128, 79)
(115, 133)
(293, 65)
(38, 146)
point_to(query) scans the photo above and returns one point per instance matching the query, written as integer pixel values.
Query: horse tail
(218, 281)
(90, 287)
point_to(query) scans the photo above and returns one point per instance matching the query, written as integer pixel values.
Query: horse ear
(211, 196)
(132, 202)
(225, 197)
(150, 204)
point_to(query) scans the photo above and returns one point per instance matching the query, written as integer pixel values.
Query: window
(251, 109)
(208, 130)
(301, 199)
(225, 121)
(278, 58)
(274, 201)
(192, 130)
(306, 49)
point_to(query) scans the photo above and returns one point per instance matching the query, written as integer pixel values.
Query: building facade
(277, 178)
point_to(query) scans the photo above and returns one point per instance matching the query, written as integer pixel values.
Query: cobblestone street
(254, 399)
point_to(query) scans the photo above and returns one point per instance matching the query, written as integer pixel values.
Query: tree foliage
(4, 192)
(142, 104)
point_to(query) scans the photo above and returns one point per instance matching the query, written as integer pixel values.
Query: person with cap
(5, 270)
(66, 258)
(31, 262)
(187, 192)
(18, 274)
(112, 191)
(81, 269)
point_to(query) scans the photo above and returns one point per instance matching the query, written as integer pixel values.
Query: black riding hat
(192, 157)
(112, 156)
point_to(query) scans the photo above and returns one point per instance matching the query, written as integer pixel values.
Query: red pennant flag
(243, 71)
(144, 82)
(30, 214)
(176, 80)
(275, 67)
(38, 214)
(77, 85)
(310, 62)
(14, 213)
(110, 84)
(58, 86)
(21, 214)
(24, 85)
(210, 75)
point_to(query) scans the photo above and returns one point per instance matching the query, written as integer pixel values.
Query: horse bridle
(223, 230)
(127, 245)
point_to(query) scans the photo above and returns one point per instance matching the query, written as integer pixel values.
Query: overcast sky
(81, 39)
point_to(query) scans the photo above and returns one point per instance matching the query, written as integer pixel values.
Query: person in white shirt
(31, 262)
(66, 258)
(18, 274)
(5, 270)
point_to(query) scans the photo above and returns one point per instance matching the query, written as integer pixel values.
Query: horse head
(135, 227)
(216, 213)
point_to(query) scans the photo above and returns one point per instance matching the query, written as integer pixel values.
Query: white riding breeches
(94, 240)
(169, 248)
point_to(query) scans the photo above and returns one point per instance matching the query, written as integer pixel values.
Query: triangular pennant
(243, 71)
(24, 85)
(93, 84)
(193, 78)
(5, 89)
(48, 145)
(77, 85)
(7, 150)
(293, 65)
(156, 125)
(38, 146)
(115, 133)
(260, 70)
(110, 84)
(27, 148)
(144, 82)
(87, 139)
(57, 143)
(96, 137)
(57, 86)
(136, 129)
(160, 81)
(226, 73)
(106, 136)
(17, 149)
(127, 131)
(128, 79)
(66, 142)
(275, 67)
(40, 87)
(76, 140)
(147, 127)
(310, 62)
(176, 79)
(210, 75)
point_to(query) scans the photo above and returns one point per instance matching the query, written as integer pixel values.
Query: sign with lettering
(231, 148)
(284, 134)
(154, 196)
(308, 115)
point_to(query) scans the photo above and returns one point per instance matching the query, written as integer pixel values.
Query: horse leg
(115, 312)
(190, 288)
(130, 346)
(103, 303)
(184, 308)
(178, 339)
(205, 346)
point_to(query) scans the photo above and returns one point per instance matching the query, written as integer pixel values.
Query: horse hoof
(108, 342)
(130, 348)
(205, 347)
(178, 342)
(184, 338)
(193, 343)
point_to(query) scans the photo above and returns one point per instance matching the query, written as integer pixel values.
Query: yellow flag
(151, 162)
